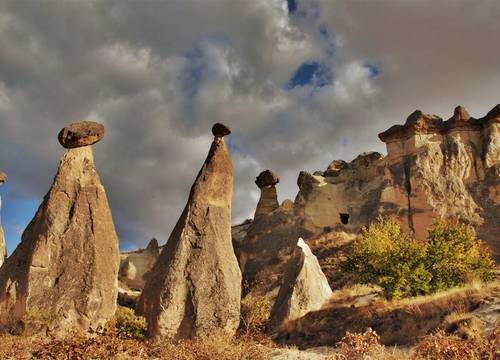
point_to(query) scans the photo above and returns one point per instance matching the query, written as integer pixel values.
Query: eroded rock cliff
(433, 169)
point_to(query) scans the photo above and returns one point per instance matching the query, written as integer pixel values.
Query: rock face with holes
(195, 287)
(3, 246)
(433, 169)
(344, 197)
(304, 287)
(64, 272)
(268, 202)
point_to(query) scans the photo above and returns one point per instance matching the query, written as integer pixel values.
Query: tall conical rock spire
(195, 286)
(67, 262)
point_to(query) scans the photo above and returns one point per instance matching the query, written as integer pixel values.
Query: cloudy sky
(300, 82)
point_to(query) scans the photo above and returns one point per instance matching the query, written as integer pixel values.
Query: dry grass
(109, 346)
(361, 346)
(444, 347)
(466, 326)
(439, 346)
(349, 294)
(402, 322)
(255, 312)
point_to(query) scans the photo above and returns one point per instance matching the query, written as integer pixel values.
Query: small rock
(3, 177)
(460, 114)
(81, 134)
(220, 130)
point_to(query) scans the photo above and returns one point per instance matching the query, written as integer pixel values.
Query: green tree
(384, 255)
(455, 256)
(451, 256)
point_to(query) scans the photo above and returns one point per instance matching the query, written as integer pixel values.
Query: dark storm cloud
(158, 74)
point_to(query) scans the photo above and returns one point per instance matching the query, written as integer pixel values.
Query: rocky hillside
(433, 169)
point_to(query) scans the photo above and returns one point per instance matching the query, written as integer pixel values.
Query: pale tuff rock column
(195, 287)
(304, 287)
(65, 269)
(3, 246)
(268, 202)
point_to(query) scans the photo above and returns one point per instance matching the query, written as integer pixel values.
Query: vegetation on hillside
(386, 256)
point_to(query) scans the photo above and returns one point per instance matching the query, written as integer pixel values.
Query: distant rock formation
(135, 265)
(195, 286)
(64, 271)
(304, 287)
(444, 169)
(268, 202)
(433, 169)
(3, 246)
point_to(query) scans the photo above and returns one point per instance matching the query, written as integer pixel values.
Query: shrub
(385, 256)
(443, 347)
(361, 346)
(455, 256)
(128, 325)
(402, 266)
(255, 312)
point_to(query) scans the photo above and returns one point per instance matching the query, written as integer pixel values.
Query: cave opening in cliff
(344, 218)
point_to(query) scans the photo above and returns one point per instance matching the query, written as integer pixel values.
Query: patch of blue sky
(313, 73)
(292, 6)
(329, 39)
(17, 212)
(374, 69)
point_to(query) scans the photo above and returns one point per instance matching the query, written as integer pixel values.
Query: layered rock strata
(63, 274)
(433, 169)
(195, 287)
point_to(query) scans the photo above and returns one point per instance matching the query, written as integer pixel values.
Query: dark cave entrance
(344, 218)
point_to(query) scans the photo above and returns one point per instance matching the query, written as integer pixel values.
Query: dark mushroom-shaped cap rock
(81, 134)
(267, 178)
(3, 177)
(220, 130)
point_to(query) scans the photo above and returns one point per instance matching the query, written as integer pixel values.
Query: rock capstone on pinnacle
(304, 287)
(220, 130)
(268, 201)
(81, 134)
(267, 178)
(194, 288)
(67, 262)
